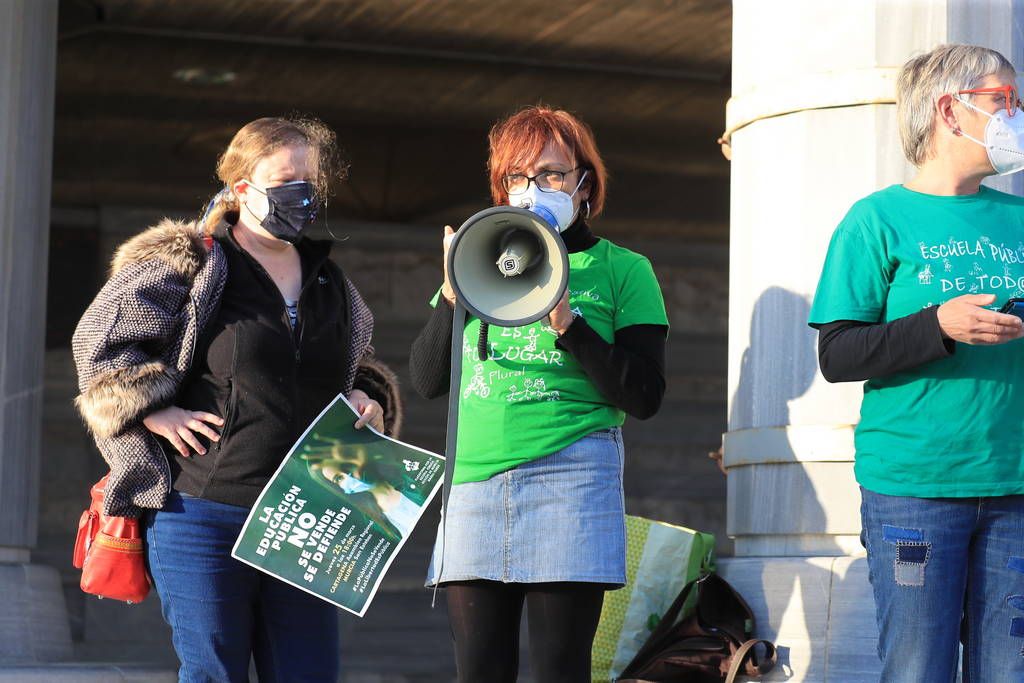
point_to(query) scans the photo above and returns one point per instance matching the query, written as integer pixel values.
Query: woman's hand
(370, 412)
(446, 289)
(560, 316)
(964, 320)
(719, 457)
(179, 426)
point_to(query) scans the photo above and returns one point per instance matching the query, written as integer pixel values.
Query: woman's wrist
(564, 326)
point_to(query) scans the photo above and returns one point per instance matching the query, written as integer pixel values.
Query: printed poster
(339, 508)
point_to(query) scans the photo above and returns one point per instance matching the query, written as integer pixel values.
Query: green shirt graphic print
(953, 427)
(529, 398)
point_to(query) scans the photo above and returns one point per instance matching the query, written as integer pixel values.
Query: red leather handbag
(109, 552)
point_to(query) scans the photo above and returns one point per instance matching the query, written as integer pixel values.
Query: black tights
(562, 620)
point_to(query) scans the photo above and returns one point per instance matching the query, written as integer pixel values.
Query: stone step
(87, 673)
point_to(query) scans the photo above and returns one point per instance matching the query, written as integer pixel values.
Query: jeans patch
(911, 559)
(1017, 627)
(894, 534)
(911, 553)
(1016, 564)
(1017, 623)
(910, 574)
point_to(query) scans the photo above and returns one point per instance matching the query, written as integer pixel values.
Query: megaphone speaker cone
(508, 266)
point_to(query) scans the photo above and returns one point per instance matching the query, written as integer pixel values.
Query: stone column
(33, 619)
(813, 128)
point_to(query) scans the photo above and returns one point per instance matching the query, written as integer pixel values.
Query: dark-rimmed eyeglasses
(546, 180)
(1011, 100)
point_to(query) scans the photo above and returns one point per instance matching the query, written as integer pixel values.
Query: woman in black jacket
(226, 387)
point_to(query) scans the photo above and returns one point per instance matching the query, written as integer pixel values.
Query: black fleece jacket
(265, 380)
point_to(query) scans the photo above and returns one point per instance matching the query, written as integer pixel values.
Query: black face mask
(291, 209)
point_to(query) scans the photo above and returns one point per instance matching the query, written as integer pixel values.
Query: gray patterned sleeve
(119, 344)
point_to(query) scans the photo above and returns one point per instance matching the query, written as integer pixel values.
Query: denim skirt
(558, 518)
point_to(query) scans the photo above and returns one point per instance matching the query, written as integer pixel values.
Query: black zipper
(297, 344)
(315, 274)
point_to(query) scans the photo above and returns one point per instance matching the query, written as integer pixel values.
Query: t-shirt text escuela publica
(953, 427)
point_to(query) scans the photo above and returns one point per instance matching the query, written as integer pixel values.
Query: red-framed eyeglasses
(1011, 100)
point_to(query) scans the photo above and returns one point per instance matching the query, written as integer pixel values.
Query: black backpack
(711, 645)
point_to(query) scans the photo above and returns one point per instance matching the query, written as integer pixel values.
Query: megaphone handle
(451, 437)
(481, 342)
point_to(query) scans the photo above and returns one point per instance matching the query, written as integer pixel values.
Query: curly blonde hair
(259, 139)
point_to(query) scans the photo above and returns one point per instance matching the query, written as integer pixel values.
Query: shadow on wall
(779, 364)
(772, 499)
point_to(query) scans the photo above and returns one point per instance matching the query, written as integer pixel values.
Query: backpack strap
(746, 651)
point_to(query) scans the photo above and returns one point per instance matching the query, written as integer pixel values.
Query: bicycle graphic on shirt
(477, 385)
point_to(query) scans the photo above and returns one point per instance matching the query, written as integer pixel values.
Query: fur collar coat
(135, 342)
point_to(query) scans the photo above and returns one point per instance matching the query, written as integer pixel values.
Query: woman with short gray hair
(906, 301)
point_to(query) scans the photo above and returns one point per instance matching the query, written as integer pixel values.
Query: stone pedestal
(813, 128)
(33, 619)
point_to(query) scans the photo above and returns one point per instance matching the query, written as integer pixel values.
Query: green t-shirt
(530, 399)
(953, 427)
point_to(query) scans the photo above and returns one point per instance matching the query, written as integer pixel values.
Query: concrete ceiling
(150, 91)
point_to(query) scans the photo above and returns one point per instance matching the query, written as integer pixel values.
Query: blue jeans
(945, 571)
(222, 611)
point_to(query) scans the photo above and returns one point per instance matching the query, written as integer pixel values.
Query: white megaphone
(508, 266)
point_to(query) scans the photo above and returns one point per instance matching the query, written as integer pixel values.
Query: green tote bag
(660, 559)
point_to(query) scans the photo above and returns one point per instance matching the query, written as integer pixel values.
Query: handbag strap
(668, 620)
(746, 651)
(722, 608)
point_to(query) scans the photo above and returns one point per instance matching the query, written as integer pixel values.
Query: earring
(587, 202)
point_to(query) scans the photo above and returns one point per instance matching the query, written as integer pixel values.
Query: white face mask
(1004, 139)
(350, 484)
(554, 207)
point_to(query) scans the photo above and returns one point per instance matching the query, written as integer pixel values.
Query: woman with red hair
(535, 514)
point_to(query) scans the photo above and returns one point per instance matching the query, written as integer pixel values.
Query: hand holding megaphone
(446, 289)
(560, 316)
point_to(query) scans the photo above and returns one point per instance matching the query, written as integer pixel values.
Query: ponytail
(219, 205)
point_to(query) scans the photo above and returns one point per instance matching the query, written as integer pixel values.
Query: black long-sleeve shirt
(853, 350)
(629, 373)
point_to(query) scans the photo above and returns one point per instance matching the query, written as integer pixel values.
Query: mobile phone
(1014, 306)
